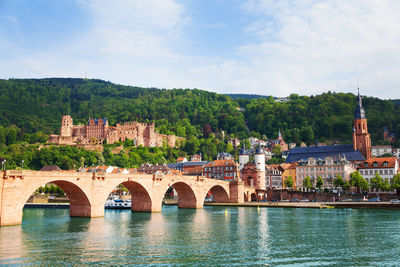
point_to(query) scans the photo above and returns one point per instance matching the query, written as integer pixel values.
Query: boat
(117, 203)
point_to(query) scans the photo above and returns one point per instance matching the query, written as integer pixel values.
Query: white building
(385, 167)
(377, 151)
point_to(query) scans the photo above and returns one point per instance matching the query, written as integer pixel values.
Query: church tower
(361, 138)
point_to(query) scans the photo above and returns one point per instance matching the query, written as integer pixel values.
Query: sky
(227, 46)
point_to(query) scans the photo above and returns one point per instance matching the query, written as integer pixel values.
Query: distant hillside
(396, 102)
(246, 96)
(38, 104)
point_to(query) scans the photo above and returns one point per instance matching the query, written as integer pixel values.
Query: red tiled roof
(391, 163)
(219, 163)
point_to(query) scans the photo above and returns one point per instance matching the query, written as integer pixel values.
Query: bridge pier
(236, 189)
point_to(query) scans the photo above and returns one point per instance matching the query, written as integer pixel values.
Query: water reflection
(205, 237)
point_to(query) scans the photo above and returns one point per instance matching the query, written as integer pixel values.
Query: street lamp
(3, 163)
(22, 164)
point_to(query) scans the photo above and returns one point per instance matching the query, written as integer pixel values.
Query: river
(206, 237)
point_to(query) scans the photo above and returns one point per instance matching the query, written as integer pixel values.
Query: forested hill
(246, 96)
(38, 104)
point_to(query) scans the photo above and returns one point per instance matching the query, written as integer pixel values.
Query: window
(361, 172)
(366, 164)
(385, 163)
(375, 164)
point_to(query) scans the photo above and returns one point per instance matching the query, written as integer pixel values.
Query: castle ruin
(98, 131)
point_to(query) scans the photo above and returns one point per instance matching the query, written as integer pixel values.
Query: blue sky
(251, 46)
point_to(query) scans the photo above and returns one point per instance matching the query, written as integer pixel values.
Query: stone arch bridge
(88, 192)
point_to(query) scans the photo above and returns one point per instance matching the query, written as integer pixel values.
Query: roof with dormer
(379, 163)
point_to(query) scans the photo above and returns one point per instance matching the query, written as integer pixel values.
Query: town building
(396, 152)
(153, 168)
(385, 167)
(181, 160)
(224, 156)
(389, 136)
(328, 168)
(273, 176)
(235, 142)
(222, 169)
(377, 151)
(196, 157)
(288, 169)
(98, 131)
(279, 141)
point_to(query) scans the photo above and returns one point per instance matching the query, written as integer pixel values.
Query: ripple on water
(242, 236)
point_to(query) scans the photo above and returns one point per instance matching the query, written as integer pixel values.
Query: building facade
(328, 168)
(273, 176)
(377, 151)
(385, 167)
(288, 169)
(221, 169)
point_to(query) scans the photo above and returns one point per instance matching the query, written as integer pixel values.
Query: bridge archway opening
(79, 202)
(140, 198)
(217, 194)
(186, 196)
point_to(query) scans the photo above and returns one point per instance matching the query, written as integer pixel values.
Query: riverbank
(312, 205)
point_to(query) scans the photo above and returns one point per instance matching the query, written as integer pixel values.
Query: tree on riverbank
(288, 182)
(320, 182)
(307, 183)
(338, 181)
(358, 181)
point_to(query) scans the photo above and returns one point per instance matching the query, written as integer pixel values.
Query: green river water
(206, 237)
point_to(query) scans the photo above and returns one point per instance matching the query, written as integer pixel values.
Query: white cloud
(306, 47)
(313, 46)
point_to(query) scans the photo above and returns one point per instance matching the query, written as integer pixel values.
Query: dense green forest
(32, 108)
(35, 105)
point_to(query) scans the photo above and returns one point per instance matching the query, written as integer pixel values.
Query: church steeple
(359, 112)
(361, 137)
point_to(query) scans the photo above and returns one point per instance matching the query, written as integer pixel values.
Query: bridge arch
(220, 194)
(140, 197)
(187, 197)
(80, 204)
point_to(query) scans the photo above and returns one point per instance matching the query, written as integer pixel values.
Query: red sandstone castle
(97, 131)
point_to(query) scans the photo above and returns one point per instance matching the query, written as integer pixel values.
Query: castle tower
(260, 165)
(66, 126)
(244, 157)
(361, 138)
